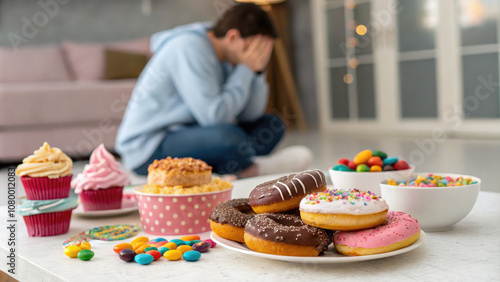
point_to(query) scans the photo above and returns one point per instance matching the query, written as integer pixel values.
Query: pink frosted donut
(399, 231)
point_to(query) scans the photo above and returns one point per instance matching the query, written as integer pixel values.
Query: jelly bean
(85, 255)
(127, 255)
(171, 245)
(118, 248)
(375, 161)
(173, 255)
(380, 154)
(388, 168)
(161, 243)
(341, 167)
(144, 259)
(142, 249)
(343, 161)
(363, 157)
(159, 239)
(362, 168)
(150, 248)
(184, 248)
(191, 255)
(202, 247)
(392, 182)
(152, 243)
(72, 251)
(162, 250)
(190, 243)
(390, 161)
(375, 168)
(401, 165)
(190, 238)
(178, 242)
(352, 165)
(212, 243)
(137, 245)
(85, 246)
(140, 239)
(156, 255)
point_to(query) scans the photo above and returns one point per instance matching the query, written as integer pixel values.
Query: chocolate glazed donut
(284, 234)
(285, 193)
(228, 219)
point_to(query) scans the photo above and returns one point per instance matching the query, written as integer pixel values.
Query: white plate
(128, 206)
(331, 256)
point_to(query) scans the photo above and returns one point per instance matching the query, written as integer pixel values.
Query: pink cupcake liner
(102, 199)
(48, 224)
(44, 188)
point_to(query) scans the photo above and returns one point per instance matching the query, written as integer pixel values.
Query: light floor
(480, 158)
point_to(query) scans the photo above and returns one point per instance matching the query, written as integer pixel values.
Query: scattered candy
(178, 242)
(191, 255)
(150, 248)
(137, 245)
(144, 259)
(118, 248)
(190, 238)
(159, 239)
(190, 243)
(127, 255)
(162, 250)
(202, 247)
(170, 245)
(85, 246)
(142, 249)
(371, 161)
(161, 243)
(434, 181)
(72, 251)
(184, 248)
(173, 255)
(156, 255)
(85, 255)
(212, 243)
(140, 239)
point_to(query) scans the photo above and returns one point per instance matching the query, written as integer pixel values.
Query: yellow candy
(72, 251)
(85, 246)
(137, 245)
(363, 157)
(140, 239)
(184, 248)
(392, 182)
(173, 255)
(171, 245)
(375, 168)
(142, 249)
(190, 238)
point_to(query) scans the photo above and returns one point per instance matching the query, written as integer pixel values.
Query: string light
(348, 79)
(353, 63)
(361, 29)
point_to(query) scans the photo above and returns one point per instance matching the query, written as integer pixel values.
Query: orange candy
(190, 238)
(117, 249)
(363, 157)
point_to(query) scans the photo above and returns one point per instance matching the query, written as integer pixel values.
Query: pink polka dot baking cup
(178, 214)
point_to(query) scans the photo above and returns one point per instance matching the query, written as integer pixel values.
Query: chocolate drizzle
(287, 187)
(235, 212)
(288, 229)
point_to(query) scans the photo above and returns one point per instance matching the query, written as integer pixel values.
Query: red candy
(212, 243)
(352, 165)
(375, 161)
(343, 161)
(156, 255)
(399, 165)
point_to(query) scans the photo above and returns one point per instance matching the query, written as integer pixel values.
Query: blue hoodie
(184, 83)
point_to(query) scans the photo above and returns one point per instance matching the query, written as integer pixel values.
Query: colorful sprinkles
(112, 232)
(434, 181)
(345, 195)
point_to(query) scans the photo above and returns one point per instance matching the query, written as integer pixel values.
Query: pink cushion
(86, 60)
(40, 63)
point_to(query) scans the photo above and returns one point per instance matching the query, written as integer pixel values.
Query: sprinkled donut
(228, 219)
(399, 231)
(343, 210)
(284, 234)
(285, 193)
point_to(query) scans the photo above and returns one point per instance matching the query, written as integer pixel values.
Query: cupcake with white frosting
(100, 185)
(46, 174)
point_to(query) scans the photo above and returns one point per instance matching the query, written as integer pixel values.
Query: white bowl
(435, 208)
(367, 181)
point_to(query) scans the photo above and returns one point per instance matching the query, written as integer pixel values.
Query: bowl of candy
(437, 201)
(367, 170)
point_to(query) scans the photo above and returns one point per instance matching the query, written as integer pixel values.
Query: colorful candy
(140, 239)
(144, 259)
(159, 239)
(162, 250)
(191, 255)
(72, 251)
(127, 255)
(434, 181)
(156, 255)
(178, 242)
(375, 161)
(362, 168)
(212, 243)
(150, 248)
(390, 161)
(363, 157)
(190, 243)
(202, 247)
(170, 245)
(190, 238)
(371, 161)
(399, 165)
(85, 255)
(341, 167)
(85, 246)
(380, 154)
(173, 255)
(118, 248)
(184, 248)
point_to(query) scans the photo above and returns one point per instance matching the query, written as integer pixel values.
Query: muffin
(100, 185)
(185, 172)
(47, 217)
(46, 174)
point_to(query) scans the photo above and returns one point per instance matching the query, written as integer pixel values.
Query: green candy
(362, 168)
(150, 248)
(341, 167)
(85, 255)
(379, 154)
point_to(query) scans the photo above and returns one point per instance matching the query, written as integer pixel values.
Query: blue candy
(162, 250)
(159, 239)
(390, 161)
(192, 255)
(341, 167)
(190, 243)
(178, 242)
(144, 259)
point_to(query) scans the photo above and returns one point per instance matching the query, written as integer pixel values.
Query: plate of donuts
(330, 256)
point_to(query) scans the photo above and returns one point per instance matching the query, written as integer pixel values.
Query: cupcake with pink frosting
(100, 185)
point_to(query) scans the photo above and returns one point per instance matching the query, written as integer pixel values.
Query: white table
(468, 252)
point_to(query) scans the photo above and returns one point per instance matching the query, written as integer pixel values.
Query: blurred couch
(72, 95)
